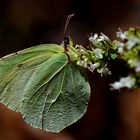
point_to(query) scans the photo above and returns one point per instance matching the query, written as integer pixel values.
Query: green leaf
(114, 56)
(38, 82)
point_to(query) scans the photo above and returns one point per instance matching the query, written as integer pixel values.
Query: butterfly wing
(17, 68)
(38, 82)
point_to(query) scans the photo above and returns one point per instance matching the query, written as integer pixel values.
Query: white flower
(135, 63)
(86, 60)
(80, 51)
(119, 45)
(79, 47)
(82, 63)
(121, 35)
(98, 53)
(93, 66)
(127, 82)
(93, 39)
(131, 43)
(104, 71)
(103, 38)
(120, 50)
(137, 69)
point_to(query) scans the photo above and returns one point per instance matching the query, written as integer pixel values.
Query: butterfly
(45, 84)
(39, 82)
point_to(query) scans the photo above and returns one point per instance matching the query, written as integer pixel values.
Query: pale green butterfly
(41, 83)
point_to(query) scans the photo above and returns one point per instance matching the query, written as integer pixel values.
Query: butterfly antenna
(65, 38)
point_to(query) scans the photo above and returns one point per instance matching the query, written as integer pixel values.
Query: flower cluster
(130, 39)
(127, 82)
(129, 50)
(99, 53)
(85, 58)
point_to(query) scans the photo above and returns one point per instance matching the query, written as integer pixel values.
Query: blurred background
(25, 23)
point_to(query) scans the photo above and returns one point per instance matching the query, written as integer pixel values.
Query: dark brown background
(24, 23)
